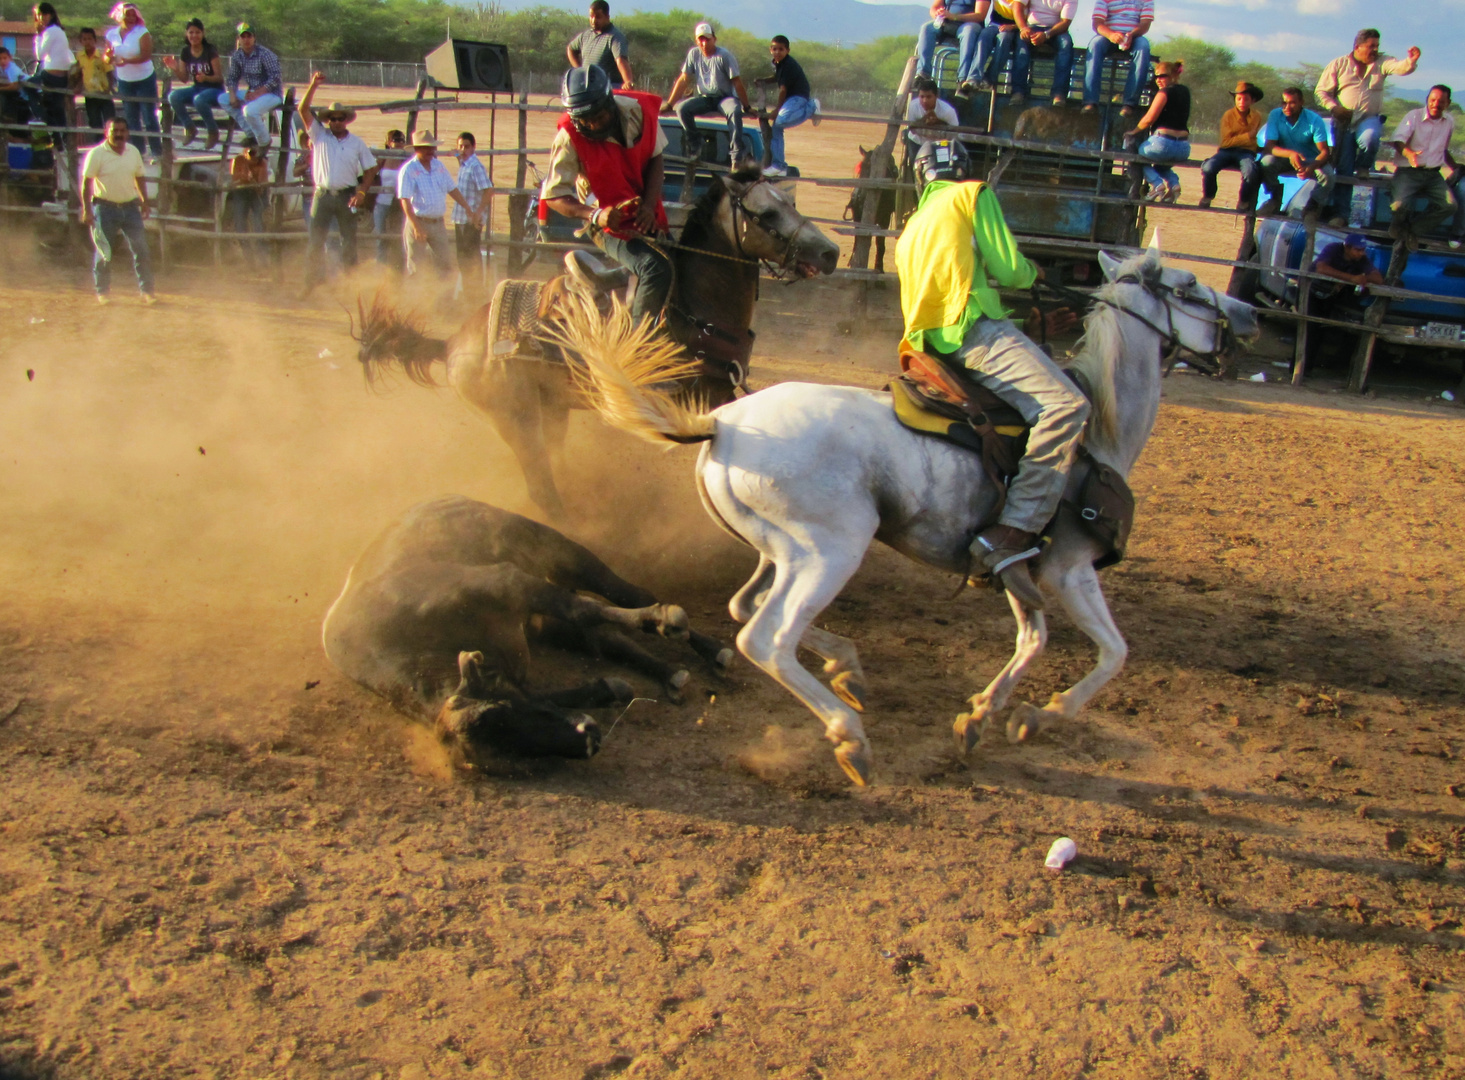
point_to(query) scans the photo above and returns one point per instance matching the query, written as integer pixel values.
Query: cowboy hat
(424, 138)
(1250, 89)
(340, 109)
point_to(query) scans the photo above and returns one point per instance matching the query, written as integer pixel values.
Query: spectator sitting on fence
(1351, 88)
(343, 170)
(53, 67)
(14, 108)
(1297, 142)
(200, 69)
(795, 102)
(994, 51)
(249, 175)
(1238, 148)
(927, 114)
(468, 218)
(92, 76)
(951, 20)
(113, 204)
(424, 187)
(604, 45)
(386, 215)
(253, 86)
(1422, 139)
(1040, 23)
(1345, 297)
(130, 48)
(712, 72)
(1120, 26)
(1168, 121)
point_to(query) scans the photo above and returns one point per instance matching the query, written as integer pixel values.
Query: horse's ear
(863, 151)
(1108, 264)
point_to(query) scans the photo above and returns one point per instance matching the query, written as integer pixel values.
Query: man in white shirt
(344, 169)
(424, 187)
(113, 204)
(927, 114)
(1422, 140)
(712, 72)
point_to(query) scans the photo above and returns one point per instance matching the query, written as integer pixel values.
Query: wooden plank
(1304, 300)
(1363, 354)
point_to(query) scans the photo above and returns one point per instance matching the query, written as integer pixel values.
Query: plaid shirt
(260, 68)
(426, 189)
(472, 179)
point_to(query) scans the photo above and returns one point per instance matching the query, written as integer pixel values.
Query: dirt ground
(222, 859)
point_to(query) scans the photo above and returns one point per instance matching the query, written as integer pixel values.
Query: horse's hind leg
(746, 600)
(1032, 636)
(841, 662)
(509, 396)
(1083, 598)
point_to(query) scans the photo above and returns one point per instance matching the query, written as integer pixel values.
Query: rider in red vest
(610, 145)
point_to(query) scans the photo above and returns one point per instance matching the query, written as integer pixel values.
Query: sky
(1285, 32)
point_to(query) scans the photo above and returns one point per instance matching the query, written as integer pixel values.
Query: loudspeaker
(470, 65)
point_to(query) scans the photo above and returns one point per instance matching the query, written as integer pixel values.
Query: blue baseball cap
(1355, 240)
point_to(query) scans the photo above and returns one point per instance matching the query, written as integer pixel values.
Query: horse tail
(391, 338)
(626, 363)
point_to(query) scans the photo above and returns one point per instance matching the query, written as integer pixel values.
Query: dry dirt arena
(221, 859)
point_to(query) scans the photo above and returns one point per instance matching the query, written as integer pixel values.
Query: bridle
(1224, 342)
(789, 241)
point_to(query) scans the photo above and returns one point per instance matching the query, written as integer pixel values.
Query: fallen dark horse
(438, 613)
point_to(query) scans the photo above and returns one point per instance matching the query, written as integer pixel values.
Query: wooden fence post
(519, 204)
(1363, 353)
(860, 257)
(1304, 300)
(166, 195)
(282, 171)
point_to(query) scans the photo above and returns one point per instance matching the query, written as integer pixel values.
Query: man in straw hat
(424, 187)
(344, 169)
(1238, 147)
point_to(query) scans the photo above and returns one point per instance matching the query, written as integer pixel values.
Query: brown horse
(885, 207)
(525, 387)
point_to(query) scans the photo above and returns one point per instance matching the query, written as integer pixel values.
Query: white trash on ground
(1260, 376)
(1061, 853)
(1448, 395)
(324, 354)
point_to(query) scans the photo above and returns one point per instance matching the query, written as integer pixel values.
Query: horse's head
(768, 227)
(1191, 317)
(486, 714)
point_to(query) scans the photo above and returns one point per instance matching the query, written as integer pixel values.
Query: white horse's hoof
(675, 683)
(723, 660)
(1024, 722)
(854, 759)
(968, 730)
(673, 622)
(850, 689)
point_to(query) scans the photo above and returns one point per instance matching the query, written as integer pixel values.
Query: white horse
(809, 475)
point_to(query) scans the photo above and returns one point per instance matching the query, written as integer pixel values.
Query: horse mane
(390, 336)
(1100, 347)
(700, 219)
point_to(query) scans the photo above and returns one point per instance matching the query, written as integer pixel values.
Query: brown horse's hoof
(675, 684)
(968, 731)
(1025, 722)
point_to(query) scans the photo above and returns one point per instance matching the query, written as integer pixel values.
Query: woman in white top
(53, 62)
(130, 48)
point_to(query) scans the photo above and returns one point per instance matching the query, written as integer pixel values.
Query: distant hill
(845, 22)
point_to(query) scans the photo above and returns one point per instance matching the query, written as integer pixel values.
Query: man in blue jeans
(1040, 24)
(795, 102)
(959, 20)
(1120, 26)
(113, 204)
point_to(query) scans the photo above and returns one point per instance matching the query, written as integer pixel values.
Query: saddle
(933, 396)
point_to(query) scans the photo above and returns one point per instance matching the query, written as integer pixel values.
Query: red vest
(614, 172)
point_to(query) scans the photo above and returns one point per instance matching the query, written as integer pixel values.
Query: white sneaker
(775, 170)
(103, 299)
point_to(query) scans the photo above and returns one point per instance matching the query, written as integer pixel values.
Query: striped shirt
(426, 187)
(1122, 16)
(257, 70)
(603, 48)
(472, 179)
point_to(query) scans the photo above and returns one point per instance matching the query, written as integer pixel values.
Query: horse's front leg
(508, 393)
(1083, 598)
(1032, 636)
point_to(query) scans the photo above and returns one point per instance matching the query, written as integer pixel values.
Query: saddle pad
(514, 315)
(912, 412)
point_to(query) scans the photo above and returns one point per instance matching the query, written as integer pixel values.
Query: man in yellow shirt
(954, 242)
(113, 204)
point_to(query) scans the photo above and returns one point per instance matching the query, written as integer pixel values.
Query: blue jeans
(248, 206)
(1093, 78)
(1357, 154)
(203, 98)
(793, 112)
(140, 114)
(254, 115)
(1273, 166)
(1022, 65)
(1231, 158)
(994, 49)
(653, 273)
(700, 105)
(1159, 149)
(117, 220)
(931, 35)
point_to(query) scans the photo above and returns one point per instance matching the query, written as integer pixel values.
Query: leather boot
(1003, 552)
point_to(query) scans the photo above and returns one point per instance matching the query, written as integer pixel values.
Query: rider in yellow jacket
(954, 242)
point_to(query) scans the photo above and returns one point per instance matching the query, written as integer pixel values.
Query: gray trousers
(1004, 360)
(1409, 184)
(438, 242)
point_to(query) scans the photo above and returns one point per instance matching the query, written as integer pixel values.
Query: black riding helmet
(941, 159)
(585, 92)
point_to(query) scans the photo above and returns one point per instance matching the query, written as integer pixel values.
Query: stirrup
(593, 275)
